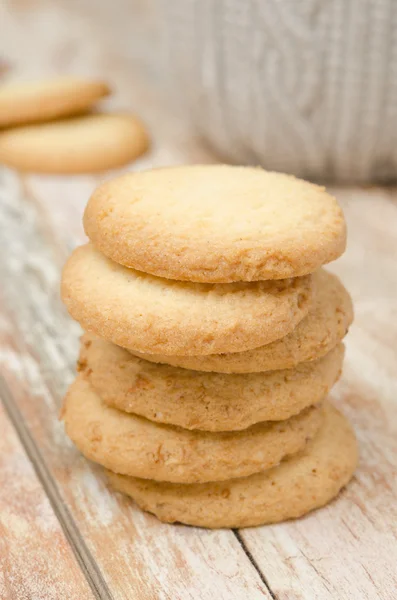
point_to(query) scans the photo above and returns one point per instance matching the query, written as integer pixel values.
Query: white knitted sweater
(303, 86)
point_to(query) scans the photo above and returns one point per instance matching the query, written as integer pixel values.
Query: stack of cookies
(212, 337)
(55, 126)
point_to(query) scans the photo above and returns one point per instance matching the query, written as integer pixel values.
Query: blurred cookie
(132, 445)
(298, 485)
(207, 401)
(32, 102)
(85, 144)
(325, 325)
(152, 314)
(216, 223)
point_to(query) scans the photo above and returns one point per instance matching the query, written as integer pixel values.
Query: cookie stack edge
(204, 399)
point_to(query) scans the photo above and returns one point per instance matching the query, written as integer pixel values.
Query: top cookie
(216, 223)
(44, 100)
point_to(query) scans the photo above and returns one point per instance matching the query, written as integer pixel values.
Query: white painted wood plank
(36, 560)
(349, 549)
(136, 556)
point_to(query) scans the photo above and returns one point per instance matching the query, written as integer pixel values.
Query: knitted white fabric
(302, 86)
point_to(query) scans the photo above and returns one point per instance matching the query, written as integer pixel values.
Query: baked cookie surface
(300, 484)
(29, 102)
(83, 144)
(155, 315)
(132, 445)
(205, 401)
(216, 223)
(325, 325)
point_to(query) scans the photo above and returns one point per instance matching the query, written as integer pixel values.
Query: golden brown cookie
(132, 445)
(31, 102)
(298, 485)
(151, 314)
(206, 401)
(84, 144)
(216, 223)
(326, 324)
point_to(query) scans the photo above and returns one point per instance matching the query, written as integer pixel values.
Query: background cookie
(216, 223)
(131, 445)
(84, 144)
(325, 325)
(45, 100)
(151, 314)
(207, 401)
(298, 485)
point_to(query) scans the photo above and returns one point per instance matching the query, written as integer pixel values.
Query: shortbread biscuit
(216, 223)
(298, 485)
(132, 445)
(84, 144)
(207, 401)
(316, 335)
(30, 102)
(155, 315)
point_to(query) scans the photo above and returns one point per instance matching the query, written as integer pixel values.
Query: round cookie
(151, 314)
(84, 144)
(216, 223)
(205, 401)
(325, 325)
(131, 445)
(298, 485)
(31, 102)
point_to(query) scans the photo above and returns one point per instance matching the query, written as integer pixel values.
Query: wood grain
(36, 560)
(347, 550)
(127, 553)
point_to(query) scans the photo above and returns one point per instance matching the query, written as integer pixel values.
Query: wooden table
(63, 534)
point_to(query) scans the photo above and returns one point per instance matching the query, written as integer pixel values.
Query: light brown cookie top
(31, 102)
(325, 325)
(298, 485)
(84, 144)
(151, 314)
(132, 445)
(216, 223)
(206, 401)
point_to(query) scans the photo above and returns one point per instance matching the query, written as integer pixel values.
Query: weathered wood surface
(127, 554)
(345, 551)
(34, 552)
(349, 549)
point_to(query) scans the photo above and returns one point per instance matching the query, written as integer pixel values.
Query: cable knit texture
(306, 87)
